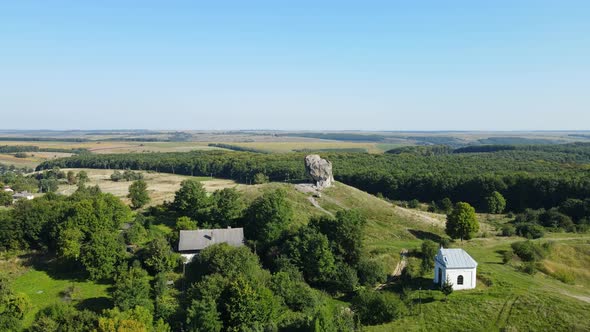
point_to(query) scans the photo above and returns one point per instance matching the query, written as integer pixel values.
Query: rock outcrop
(320, 170)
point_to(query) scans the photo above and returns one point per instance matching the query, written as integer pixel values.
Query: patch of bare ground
(434, 219)
(161, 186)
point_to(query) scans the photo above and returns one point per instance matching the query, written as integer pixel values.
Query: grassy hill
(505, 299)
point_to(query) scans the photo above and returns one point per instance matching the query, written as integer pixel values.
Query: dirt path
(315, 203)
(505, 312)
(426, 217)
(579, 297)
(402, 263)
(398, 268)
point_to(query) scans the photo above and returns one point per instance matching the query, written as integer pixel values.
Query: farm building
(7, 189)
(190, 243)
(23, 195)
(456, 266)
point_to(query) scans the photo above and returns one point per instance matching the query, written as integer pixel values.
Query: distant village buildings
(22, 195)
(190, 243)
(456, 266)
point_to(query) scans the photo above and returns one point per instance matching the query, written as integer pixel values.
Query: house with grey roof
(456, 266)
(22, 195)
(190, 243)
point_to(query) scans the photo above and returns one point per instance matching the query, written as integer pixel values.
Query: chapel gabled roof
(455, 259)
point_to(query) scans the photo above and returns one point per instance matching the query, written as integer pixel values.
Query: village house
(190, 243)
(456, 266)
(23, 195)
(7, 189)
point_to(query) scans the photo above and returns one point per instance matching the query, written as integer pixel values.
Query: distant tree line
(236, 147)
(33, 148)
(540, 177)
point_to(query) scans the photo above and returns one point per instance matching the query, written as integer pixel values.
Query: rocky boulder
(320, 170)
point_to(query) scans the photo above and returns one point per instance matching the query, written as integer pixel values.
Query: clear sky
(387, 65)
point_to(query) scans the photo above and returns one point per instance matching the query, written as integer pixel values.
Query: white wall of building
(469, 276)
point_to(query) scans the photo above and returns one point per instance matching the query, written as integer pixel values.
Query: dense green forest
(33, 148)
(541, 176)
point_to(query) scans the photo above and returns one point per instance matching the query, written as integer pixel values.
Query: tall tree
(13, 307)
(138, 194)
(310, 251)
(495, 203)
(462, 222)
(131, 289)
(5, 198)
(82, 178)
(159, 256)
(345, 233)
(71, 177)
(101, 255)
(191, 200)
(227, 207)
(248, 307)
(429, 249)
(268, 217)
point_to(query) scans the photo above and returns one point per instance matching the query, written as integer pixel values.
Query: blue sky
(370, 65)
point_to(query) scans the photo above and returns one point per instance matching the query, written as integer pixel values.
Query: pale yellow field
(291, 146)
(161, 186)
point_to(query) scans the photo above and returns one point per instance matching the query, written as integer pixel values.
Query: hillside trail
(315, 203)
(426, 217)
(505, 313)
(399, 268)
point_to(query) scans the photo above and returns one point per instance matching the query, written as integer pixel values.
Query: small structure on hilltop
(456, 266)
(23, 195)
(190, 243)
(320, 170)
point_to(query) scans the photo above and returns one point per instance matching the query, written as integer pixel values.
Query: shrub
(528, 251)
(507, 256)
(529, 268)
(554, 219)
(508, 230)
(565, 276)
(371, 272)
(413, 204)
(346, 279)
(377, 308)
(260, 178)
(530, 230)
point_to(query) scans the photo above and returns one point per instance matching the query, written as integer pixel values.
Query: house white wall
(469, 276)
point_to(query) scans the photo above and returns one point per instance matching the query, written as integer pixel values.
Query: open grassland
(32, 160)
(117, 146)
(161, 186)
(320, 146)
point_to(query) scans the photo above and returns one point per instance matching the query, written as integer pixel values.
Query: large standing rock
(320, 170)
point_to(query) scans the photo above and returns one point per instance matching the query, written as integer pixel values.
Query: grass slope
(505, 298)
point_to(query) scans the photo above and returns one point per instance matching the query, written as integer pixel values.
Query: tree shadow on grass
(422, 235)
(59, 270)
(95, 304)
(398, 284)
(424, 300)
(55, 268)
